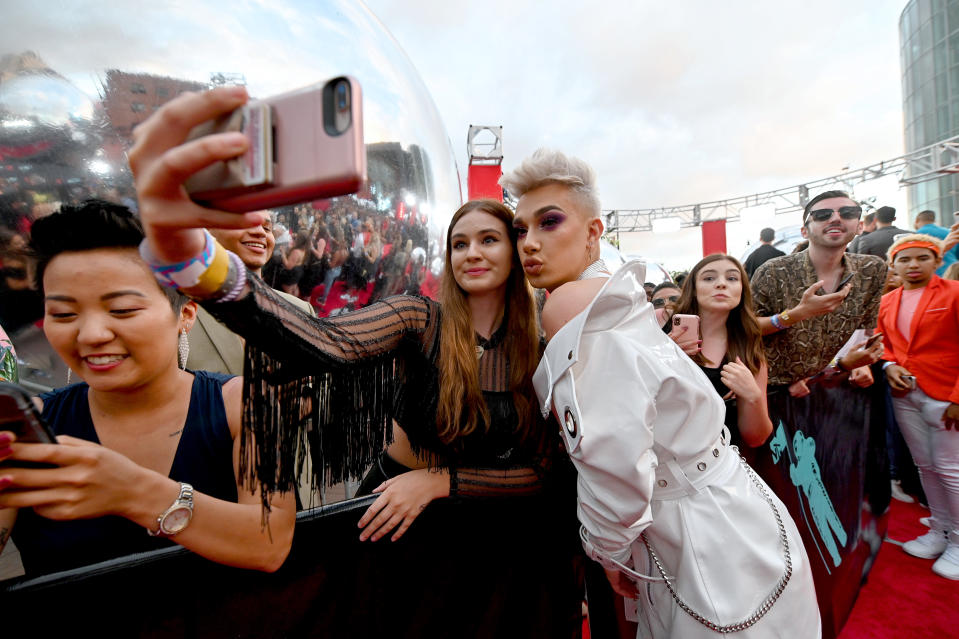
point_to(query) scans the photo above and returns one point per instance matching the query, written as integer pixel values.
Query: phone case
(311, 160)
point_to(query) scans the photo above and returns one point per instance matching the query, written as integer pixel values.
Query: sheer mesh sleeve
(330, 382)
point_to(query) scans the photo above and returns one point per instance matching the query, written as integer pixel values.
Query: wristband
(784, 316)
(777, 322)
(209, 275)
(182, 274)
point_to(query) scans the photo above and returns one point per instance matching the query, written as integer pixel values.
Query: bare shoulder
(568, 301)
(232, 391)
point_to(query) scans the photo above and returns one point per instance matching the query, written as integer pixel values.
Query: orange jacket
(933, 353)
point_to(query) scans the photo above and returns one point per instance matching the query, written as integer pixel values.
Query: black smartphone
(844, 281)
(875, 337)
(19, 414)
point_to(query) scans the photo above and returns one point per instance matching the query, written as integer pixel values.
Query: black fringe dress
(500, 557)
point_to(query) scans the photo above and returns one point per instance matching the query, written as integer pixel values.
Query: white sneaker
(948, 563)
(929, 546)
(899, 494)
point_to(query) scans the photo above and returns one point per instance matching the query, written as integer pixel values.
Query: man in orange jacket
(920, 325)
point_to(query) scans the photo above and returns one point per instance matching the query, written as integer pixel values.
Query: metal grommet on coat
(662, 483)
(570, 422)
(701, 466)
(570, 356)
(715, 452)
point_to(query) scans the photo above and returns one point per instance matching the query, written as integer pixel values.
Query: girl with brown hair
(731, 353)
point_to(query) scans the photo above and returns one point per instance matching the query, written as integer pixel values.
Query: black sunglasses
(660, 302)
(845, 212)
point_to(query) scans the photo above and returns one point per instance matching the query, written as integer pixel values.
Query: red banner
(483, 181)
(714, 237)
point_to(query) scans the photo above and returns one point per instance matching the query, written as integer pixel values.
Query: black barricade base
(436, 581)
(826, 461)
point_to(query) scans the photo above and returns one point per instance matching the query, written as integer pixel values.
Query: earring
(69, 374)
(183, 349)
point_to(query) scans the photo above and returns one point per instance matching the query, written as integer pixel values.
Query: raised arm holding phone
(455, 376)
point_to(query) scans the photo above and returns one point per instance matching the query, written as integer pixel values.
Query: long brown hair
(743, 335)
(462, 409)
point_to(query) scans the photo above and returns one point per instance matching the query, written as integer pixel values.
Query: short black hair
(869, 217)
(825, 195)
(666, 284)
(886, 214)
(767, 235)
(92, 224)
(927, 216)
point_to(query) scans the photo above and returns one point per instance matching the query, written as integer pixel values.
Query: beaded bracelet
(234, 284)
(777, 322)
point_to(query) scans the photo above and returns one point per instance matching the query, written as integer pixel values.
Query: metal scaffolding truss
(928, 163)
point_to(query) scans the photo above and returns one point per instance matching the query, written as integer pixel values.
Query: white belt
(675, 479)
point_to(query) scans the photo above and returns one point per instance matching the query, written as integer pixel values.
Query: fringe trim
(342, 417)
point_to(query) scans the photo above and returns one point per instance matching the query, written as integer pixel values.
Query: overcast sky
(672, 102)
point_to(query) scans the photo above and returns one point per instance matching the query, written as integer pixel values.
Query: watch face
(176, 520)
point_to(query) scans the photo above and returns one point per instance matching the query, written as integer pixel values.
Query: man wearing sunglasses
(879, 241)
(810, 303)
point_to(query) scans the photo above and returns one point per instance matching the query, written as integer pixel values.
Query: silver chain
(766, 605)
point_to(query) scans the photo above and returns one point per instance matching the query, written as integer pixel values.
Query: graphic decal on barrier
(805, 475)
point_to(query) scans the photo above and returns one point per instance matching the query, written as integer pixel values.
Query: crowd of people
(211, 346)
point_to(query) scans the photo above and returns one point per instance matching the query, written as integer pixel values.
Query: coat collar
(619, 296)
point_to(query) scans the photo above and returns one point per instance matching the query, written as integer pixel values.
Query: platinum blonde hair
(549, 166)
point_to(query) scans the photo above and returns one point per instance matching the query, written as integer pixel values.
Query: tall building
(130, 98)
(929, 54)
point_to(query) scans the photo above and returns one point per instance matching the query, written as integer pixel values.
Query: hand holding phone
(875, 337)
(19, 415)
(302, 145)
(685, 332)
(842, 282)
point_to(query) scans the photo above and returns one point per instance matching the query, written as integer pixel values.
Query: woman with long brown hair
(454, 378)
(487, 317)
(731, 354)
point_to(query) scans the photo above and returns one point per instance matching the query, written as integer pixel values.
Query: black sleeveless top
(203, 459)
(732, 417)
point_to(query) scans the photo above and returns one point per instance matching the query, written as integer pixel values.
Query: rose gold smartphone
(691, 322)
(304, 145)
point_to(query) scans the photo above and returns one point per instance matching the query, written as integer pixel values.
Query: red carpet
(903, 598)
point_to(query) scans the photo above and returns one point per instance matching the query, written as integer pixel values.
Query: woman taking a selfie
(731, 352)
(669, 509)
(454, 376)
(148, 452)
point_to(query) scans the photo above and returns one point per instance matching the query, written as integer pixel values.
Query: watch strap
(184, 499)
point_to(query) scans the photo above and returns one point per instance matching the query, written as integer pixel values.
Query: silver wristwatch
(177, 517)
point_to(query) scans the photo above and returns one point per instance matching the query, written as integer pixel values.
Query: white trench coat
(644, 428)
